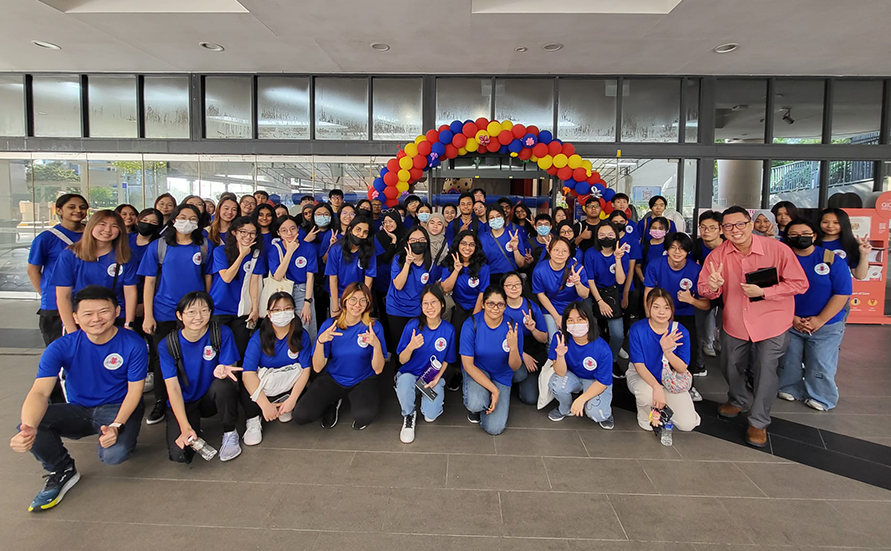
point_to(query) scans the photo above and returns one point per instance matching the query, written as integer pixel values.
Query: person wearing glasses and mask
(504, 249)
(352, 260)
(411, 272)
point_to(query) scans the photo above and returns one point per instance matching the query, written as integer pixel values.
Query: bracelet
(600, 300)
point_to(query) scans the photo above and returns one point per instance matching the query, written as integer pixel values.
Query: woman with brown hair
(227, 211)
(165, 203)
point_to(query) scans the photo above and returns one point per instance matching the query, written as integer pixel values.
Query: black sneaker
(329, 418)
(54, 489)
(358, 427)
(158, 413)
(617, 372)
(455, 382)
(473, 417)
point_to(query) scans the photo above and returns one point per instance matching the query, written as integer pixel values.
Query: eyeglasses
(247, 233)
(738, 225)
(193, 313)
(286, 309)
(467, 245)
(495, 305)
(352, 301)
(417, 240)
(430, 304)
(809, 234)
(513, 285)
(709, 228)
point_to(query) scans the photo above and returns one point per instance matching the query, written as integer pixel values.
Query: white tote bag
(270, 285)
(544, 378)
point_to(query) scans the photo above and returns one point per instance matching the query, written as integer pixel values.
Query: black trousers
(324, 391)
(397, 326)
(696, 360)
(50, 324)
(238, 325)
(162, 328)
(221, 397)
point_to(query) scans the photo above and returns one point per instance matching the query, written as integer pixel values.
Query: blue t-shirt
(825, 281)
(227, 296)
(643, 227)
(499, 252)
(267, 240)
(593, 360)
(73, 272)
(516, 316)
(183, 272)
(488, 347)
(199, 361)
(96, 374)
(348, 272)
(406, 302)
(467, 288)
(653, 253)
(630, 243)
(602, 269)
(45, 250)
(349, 356)
(644, 347)
(138, 251)
(304, 260)
(632, 232)
(255, 358)
(660, 274)
(439, 343)
(550, 282)
(836, 246)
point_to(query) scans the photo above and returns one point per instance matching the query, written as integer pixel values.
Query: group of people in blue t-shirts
(242, 305)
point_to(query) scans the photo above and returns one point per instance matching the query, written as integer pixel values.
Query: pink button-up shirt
(765, 319)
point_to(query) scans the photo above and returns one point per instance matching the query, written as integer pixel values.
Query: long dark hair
(585, 311)
(327, 208)
(267, 331)
(215, 231)
(255, 216)
(120, 208)
(845, 235)
(606, 224)
(436, 291)
(790, 207)
(170, 232)
(428, 259)
(477, 259)
(366, 246)
(232, 242)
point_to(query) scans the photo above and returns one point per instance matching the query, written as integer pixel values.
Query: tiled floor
(566, 486)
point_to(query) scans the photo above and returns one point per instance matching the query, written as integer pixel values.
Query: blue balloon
(456, 128)
(465, 122)
(608, 194)
(384, 171)
(433, 163)
(571, 184)
(379, 184)
(583, 188)
(439, 148)
(529, 140)
(600, 188)
(545, 137)
(504, 150)
(446, 136)
(515, 146)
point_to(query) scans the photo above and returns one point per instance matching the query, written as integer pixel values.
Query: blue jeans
(528, 385)
(477, 400)
(598, 408)
(76, 422)
(616, 335)
(819, 353)
(299, 298)
(407, 393)
(551, 325)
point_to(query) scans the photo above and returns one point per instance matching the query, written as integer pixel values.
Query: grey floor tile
(436, 438)
(443, 512)
(376, 437)
(698, 446)
(395, 470)
(330, 541)
(791, 480)
(622, 476)
(496, 472)
(336, 508)
(858, 426)
(626, 445)
(560, 515)
(541, 442)
(645, 518)
(869, 518)
(699, 478)
(586, 545)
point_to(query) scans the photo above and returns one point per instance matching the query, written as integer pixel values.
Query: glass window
(688, 205)
(21, 219)
(218, 175)
(796, 181)
(737, 182)
(691, 98)
(586, 111)
(798, 111)
(171, 174)
(53, 176)
(462, 99)
(283, 108)
(856, 111)
(56, 106)
(166, 107)
(397, 108)
(528, 101)
(115, 180)
(12, 106)
(227, 107)
(740, 107)
(341, 108)
(112, 106)
(650, 110)
(852, 177)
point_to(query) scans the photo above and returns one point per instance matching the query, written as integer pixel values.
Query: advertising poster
(868, 299)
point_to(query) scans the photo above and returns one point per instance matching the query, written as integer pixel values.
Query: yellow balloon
(513, 154)
(586, 164)
(403, 175)
(405, 163)
(494, 128)
(533, 158)
(574, 161)
(472, 145)
(560, 160)
(410, 149)
(420, 139)
(603, 215)
(462, 151)
(402, 186)
(481, 134)
(545, 162)
(506, 125)
(588, 173)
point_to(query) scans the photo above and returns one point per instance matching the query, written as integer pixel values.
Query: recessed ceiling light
(212, 46)
(522, 49)
(726, 48)
(552, 47)
(380, 47)
(47, 45)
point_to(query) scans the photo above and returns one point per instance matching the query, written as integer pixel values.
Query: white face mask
(281, 319)
(185, 226)
(577, 329)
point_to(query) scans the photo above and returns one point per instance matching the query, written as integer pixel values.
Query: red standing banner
(868, 299)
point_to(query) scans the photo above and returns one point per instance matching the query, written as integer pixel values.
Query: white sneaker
(694, 394)
(785, 396)
(149, 383)
(253, 432)
(429, 420)
(813, 404)
(623, 354)
(284, 417)
(230, 449)
(709, 351)
(407, 434)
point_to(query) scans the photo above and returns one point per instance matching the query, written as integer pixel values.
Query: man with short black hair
(620, 203)
(507, 207)
(307, 200)
(261, 196)
(465, 220)
(478, 194)
(105, 369)
(335, 197)
(586, 229)
(248, 204)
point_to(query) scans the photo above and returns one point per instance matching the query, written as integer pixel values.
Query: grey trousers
(765, 357)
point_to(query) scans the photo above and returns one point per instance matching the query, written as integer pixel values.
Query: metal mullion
(682, 116)
(823, 191)
(770, 107)
(196, 107)
(679, 188)
(140, 108)
(828, 92)
(29, 106)
(84, 108)
(370, 95)
(428, 102)
(255, 116)
(765, 183)
(312, 111)
(620, 89)
(556, 103)
(492, 100)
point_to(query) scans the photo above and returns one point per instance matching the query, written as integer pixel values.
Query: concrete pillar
(739, 183)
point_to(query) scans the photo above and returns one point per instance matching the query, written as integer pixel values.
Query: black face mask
(355, 240)
(418, 248)
(608, 243)
(800, 242)
(363, 212)
(145, 229)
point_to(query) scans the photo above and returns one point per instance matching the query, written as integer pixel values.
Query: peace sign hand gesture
(409, 256)
(514, 239)
(561, 348)
(716, 276)
(575, 275)
(512, 335)
(417, 340)
(528, 320)
(369, 336)
(670, 340)
(619, 253)
(222, 371)
(334, 236)
(311, 236)
(328, 334)
(864, 246)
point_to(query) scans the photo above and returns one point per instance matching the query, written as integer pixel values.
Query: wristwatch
(119, 426)
(309, 300)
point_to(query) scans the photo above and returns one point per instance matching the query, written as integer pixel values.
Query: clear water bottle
(665, 436)
(203, 449)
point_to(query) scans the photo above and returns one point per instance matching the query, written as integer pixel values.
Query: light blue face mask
(496, 223)
(543, 230)
(424, 216)
(322, 221)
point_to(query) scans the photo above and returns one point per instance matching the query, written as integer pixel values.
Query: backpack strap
(828, 256)
(176, 353)
(64, 238)
(216, 337)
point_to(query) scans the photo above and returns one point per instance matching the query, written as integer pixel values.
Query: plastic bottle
(204, 449)
(666, 433)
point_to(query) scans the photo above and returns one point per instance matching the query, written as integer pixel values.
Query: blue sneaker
(55, 488)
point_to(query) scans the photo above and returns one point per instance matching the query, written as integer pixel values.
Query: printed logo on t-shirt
(504, 346)
(590, 363)
(612, 268)
(841, 254)
(196, 259)
(629, 229)
(626, 248)
(425, 277)
(509, 248)
(362, 340)
(686, 284)
(440, 344)
(248, 266)
(664, 253)
(822, 268)
(209, 353)
(293, 355)
(113, 361)
(111, 267)
(300, 262)
(473, 282)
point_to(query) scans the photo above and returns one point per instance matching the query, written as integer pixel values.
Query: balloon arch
(527, 143)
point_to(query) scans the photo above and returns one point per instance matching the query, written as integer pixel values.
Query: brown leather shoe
(756, 437)
(728, 410)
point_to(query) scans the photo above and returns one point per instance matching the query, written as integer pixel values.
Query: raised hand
(716, 276)
(619, 253)
(222, 371)
(311, 236)
(334, 236)
(685, 296)
(864, 246)
(409, 256)
(245, 250)
(512, 335)
(561, 348)
(291, 246)
(586, 233)
(575, 275)
(23, 441)
(370, 336)
(528, 320)
(108, 436)
(417, 340)
(670, 340)
(328, 334)
(514, 239)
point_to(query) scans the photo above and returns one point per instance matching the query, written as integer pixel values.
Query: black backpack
(177, 353)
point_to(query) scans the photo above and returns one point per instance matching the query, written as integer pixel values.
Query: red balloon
(416, 174)
(392, 166)
(481, 149)
(459, 141)
(391, 179)
(451, 151)
(505, 137)
(568, 149)
(443, 127)
(596, 174)
(372, 193)
(554, 148)
(606, 206)
(400, 155)
(424, 149)
(552, 171)
(525, 154)
(432, 136)
(518, 131)
(593, 179)
(419, 161)
(532, 130)
(578, 174)
(540, 150)
(574, 193)
(564, 173)
(469, 129)
(391, 192)
(392, 202)
(481, 123)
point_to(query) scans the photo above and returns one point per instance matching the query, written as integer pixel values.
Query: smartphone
(428, 392)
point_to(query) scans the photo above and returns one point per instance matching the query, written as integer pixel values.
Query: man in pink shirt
(758, 327)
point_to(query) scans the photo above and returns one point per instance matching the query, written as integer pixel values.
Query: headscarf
(390, 248)
(773, 222)
(437, 242)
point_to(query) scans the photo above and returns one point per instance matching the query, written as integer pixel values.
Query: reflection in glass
(856, 111)
(737, 182)
(341, 107)
(21, 221)
(798, 111)
(219, 176)
(740, 107)
(796, 181)
(688, 205)
(12, 106)
(462, 99)
(283, 108)
(115, 182)
(586, 111)
(852, 177)
(691, 98)
(166, 107)
(227, 107)
(650, 110)
(112, 106)
(528, 101)
(56, 106)
(397, 108)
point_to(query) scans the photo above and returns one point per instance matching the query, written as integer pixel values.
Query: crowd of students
(243, 306)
